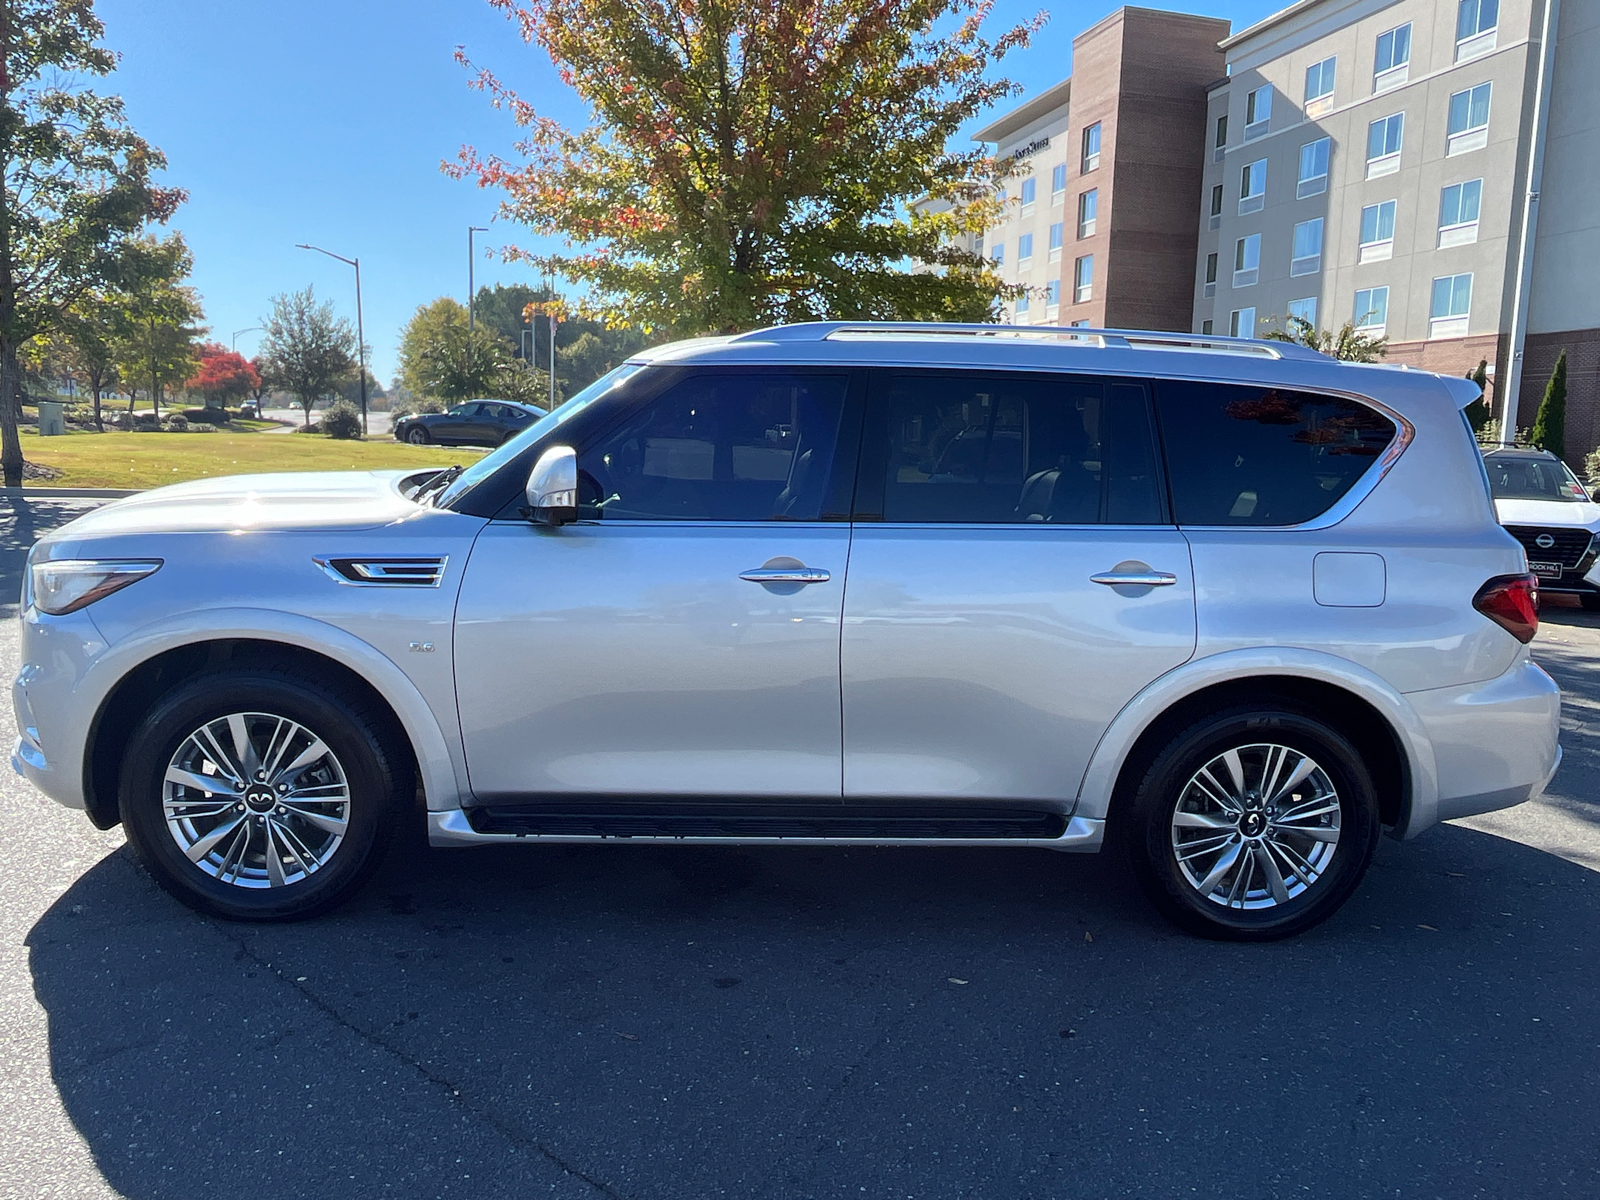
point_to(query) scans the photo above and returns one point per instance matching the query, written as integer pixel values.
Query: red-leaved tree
(224, 376)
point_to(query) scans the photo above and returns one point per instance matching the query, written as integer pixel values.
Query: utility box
(52, 419)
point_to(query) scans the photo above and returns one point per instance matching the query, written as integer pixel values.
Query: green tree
(754, 164)
(159, 332)
(306, 351)
(1347, 343)
(1550, 426)
(88, 337)
(507, 309)
(1478, 412)
(443, 357)
(75, 182)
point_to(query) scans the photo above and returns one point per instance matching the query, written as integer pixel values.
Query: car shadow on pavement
(636, 1021)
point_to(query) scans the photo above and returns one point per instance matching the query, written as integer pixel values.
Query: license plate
(1545, 570)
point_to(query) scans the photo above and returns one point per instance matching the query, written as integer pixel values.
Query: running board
(797, 825)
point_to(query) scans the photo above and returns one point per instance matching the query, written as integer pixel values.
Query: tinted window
(1015, 448)
(1263, 456)
(735, 447)
(1532, 479)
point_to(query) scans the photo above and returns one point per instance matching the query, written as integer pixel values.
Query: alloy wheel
(1256, 826)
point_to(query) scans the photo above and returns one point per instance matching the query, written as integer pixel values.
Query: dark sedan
(473, 423)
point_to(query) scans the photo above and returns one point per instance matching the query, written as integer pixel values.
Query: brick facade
(1583, 385)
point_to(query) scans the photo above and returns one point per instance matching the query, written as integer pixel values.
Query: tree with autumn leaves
(757, 163)
(225, 376)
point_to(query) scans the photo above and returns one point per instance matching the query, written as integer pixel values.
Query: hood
(1580, 513)
(308, 500)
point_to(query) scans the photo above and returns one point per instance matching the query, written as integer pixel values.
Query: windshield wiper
(437, 484)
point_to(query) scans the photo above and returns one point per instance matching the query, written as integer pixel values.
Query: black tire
(418, 437)
(364, 748)
(1149, 832)
(1590, 601)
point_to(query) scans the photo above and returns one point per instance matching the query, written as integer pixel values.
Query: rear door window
(1010, 448)
(1251, 455)
(736, 446)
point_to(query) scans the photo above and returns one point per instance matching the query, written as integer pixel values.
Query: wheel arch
(165, 664)
(1377, 719)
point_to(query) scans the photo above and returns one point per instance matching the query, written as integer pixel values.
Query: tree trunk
(10, 413)
(99, 423)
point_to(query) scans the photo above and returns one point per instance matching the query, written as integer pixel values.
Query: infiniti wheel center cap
(260, 799)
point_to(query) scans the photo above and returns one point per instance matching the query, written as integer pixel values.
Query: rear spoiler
(1462, 391)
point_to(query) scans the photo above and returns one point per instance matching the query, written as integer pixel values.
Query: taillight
(1511, 602)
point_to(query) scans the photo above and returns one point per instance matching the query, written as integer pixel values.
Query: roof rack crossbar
(1121, 339)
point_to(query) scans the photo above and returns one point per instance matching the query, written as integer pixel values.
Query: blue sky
(324, 121)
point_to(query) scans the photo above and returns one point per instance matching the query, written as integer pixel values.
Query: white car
(1545, 508)
(1230, 604)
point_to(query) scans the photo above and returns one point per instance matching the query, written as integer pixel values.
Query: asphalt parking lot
(641, 1022)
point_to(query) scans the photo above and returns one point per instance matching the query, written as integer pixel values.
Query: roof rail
(1121, 339)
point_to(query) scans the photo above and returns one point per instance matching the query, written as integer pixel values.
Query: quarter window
(746, 446)
(1017, 449)
(1263, 455)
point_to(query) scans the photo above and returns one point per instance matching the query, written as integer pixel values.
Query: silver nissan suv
(1228, 605)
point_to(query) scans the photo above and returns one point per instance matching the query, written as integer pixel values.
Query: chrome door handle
(786, 575)
(1135, 578)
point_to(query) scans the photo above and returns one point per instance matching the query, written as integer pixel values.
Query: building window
(1452, 302)
(1029, 190)
(998, 254)
(1392, 64)
(1313, 168)
(1304, 310)
(1206, 327)
(1058, 181)
(1220, 145)
(1088, 206)
(1307, 256)
(1246, 260)
(1475, 27)
(1052, 299)
(1024, 250)
(1257, 111)
(1377, 232)
(1022, 304)
(1083, 279)
(1469, 120)
(1091, 147)
(1372, 310)
(1319, 81)
(1211, 275)
(1253, 186)
(1242, 323)
(1216, 206)
(1055, 242)
(1383, 145)
(1458, 213)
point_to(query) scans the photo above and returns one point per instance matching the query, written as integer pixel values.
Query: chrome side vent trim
(386, 572)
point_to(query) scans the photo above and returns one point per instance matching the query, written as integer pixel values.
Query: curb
(50, 493)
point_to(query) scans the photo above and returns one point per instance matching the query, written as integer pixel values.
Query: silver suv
(1231, 605)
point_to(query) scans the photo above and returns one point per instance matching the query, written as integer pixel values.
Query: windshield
(538, 431)
(1532, 479)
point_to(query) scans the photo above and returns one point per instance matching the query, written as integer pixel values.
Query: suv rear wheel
(261, 795)
(1254, 823)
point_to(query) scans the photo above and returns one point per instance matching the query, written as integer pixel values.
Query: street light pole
(252, 329)
(361, 337)
(472, 292)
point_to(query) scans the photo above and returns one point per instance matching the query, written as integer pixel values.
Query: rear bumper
(1495, 744)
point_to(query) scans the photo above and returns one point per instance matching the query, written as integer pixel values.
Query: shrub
(314, 427)
(1550, 426)
(409, 403)
(1591, 469)
(342, 420)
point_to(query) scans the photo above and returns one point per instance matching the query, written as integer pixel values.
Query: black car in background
(471, 423)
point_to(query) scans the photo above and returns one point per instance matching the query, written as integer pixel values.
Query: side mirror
(553, 487)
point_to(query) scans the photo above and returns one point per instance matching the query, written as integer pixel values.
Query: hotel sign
(1030, 149)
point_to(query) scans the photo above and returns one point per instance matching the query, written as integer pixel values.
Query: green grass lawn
(145, 460)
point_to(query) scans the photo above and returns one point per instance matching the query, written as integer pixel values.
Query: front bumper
(1495, 744)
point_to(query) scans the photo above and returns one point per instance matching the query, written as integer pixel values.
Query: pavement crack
(452, 1093)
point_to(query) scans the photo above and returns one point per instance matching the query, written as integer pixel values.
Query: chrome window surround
(385, 572)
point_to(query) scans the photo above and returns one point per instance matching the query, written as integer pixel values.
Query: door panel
(981, 662)
(631, 659)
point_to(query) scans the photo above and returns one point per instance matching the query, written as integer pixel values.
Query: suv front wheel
(1254, 823)
(261, 795)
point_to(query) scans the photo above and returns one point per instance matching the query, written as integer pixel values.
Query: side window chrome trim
(1405, 431)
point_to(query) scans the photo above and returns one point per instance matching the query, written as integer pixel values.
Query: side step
(658, 819)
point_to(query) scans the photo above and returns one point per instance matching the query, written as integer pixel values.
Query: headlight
(69, 584)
